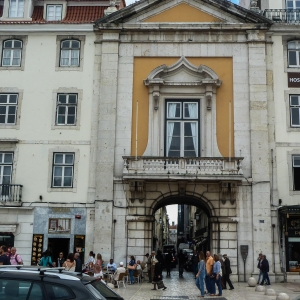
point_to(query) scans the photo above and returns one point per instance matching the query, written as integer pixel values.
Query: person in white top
(119, 270)
(91, 259)
(15, 259)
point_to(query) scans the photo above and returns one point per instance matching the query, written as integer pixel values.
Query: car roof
(35, 273)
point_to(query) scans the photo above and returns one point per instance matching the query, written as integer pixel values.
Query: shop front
(60, 230)
(290, 237)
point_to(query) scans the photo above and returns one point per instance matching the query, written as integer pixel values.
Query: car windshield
(102, 289)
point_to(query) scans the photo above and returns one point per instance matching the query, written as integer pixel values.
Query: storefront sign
(294, 232)
(293, 79)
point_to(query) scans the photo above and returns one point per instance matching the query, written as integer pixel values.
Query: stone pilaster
(260, 164)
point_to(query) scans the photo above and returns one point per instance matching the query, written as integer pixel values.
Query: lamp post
(191, 226)
(162, 229)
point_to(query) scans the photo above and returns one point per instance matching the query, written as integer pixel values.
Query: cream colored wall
(38, 81)
(286, 141)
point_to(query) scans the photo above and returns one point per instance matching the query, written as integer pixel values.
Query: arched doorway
(192, 228)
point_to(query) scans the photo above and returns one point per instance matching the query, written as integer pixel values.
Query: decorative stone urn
(283, 296)
(260, 289)
(252, 282)
(270, 292)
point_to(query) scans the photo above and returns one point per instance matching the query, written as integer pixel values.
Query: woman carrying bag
(216, 277)
(201, 274)
(157, 278)
(131, 268)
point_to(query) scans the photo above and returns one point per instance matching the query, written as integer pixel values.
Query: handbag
(213, 275)
(160, 285)
(129, 267)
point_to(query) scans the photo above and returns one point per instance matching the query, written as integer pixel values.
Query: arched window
(293, 54)
(69, 53)
(12, 53)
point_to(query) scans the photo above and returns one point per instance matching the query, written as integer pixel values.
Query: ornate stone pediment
(182, 74)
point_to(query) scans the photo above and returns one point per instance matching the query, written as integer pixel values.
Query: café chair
(121, 280)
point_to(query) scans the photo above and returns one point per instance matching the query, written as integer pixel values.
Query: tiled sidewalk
(185, 288)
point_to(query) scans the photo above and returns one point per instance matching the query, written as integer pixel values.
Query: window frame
(12, 51)
(298, 168)
(59, 40)
(182, 119)
(70, 49)
(55, 6)
(292, 106)
(63, 165)
(67, 105)
(17, 9)
(7, 105)
(3, 164)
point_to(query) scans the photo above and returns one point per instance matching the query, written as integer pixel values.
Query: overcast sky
(132, 1)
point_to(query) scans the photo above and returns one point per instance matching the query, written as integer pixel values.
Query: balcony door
(293, 13)
(6, 161)
(182, 128)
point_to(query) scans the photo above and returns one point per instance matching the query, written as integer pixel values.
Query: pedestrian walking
(265, 270)
(227, 273)
(157, 278)
(209, 266)
(149, 267)
(168, 261)
(259, 259)
(181, 260)
(200, 276)
(195, 261)
(216, 277)
(131, 267)
(15, 259)
(98, 266)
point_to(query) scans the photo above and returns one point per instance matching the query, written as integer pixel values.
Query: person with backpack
(15, 259)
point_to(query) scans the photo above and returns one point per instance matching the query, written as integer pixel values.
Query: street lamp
(160, 220)
(197, 217)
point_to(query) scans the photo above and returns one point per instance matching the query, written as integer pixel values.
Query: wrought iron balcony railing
(291, 16)
(198, 166)
(11, 193)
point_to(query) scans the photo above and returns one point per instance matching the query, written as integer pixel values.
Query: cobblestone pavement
(185, 288)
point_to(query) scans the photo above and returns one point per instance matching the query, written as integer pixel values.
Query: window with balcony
(66, 109)
(69, 53)
(11, 53)
(8, 108)
(296, 172)
(294, 54)
(295, 110)
(54, 12)
(16, 9)
(6, 163)
(63, 170)
(182, 128)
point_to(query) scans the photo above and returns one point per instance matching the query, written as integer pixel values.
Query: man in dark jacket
(78, 267)
(227, 272)
(195, 261)
(265, 269)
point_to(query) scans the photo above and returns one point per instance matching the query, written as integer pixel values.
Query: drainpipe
(273, 244)
(126, 258)
(113, 238)
(237, 252)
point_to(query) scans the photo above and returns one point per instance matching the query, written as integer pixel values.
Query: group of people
(211, 272)
(10, 256)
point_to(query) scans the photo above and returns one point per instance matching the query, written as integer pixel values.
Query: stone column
(260, 163)
(139, 235)
(104, 172)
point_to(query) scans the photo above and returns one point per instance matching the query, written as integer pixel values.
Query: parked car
(37, 283)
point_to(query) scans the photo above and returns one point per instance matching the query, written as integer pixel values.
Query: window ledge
(17, 19)
(292, 193)
(293, 129)
(68, 68)
(10, 68)
(5, 126)
(72, 190)
(68, 127)
(12, 141)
